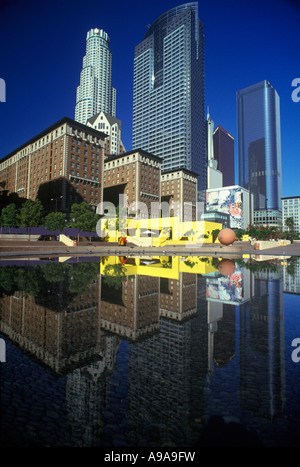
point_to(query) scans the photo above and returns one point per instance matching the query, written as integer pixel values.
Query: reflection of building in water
(221, 334)
(262, 347)
(222, 294)
(59, 327)
(87, 395)
(178, 298)
(167, 373)
(291, 276)
(130, 308)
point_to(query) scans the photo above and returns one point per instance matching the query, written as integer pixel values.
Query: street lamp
(266, 212)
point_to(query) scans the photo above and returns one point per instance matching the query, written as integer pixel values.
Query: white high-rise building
(291, 209)
(113, 128)
(95, 92)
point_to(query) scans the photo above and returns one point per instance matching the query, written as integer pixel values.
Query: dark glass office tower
(259, 149)
(224, 154)
(168, 95)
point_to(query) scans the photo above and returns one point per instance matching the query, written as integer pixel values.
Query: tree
(10, 216)
(31, 214)
(55, 221)
(215, 233)
(83, 218)
(114, 275)
(289, 222)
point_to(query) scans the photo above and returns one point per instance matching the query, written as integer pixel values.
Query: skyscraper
(259, 149)
(95, 92)
(224, 154)
(168, 95)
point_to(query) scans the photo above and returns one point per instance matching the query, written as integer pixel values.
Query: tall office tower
(259, 150)
(168, 92)
(214, 176)
(224, 154)
(95, 92)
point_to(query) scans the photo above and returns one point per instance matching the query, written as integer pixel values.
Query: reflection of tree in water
(52, 285)
(112, 279)
(114, 275)
(256, 266)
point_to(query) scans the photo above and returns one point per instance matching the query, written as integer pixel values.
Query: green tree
(81, 275)
(83, 218)
(289, 222)
(53, 272)
(114, 275)
(31, 214)
(10, 216)
(239, 233)
(215, 234)
(55, 221)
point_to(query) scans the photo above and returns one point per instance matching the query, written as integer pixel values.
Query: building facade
(179, 189)
(61, 165)
(224, 154)
(95, 92)
(136, 175)
(214, 175)
(259, 147)
(113, 128)
(291, 209)
(168, 95)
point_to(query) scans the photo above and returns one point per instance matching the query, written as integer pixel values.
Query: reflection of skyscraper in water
(167, 371)
(221, 334)
(223, 294)
(165, 391)
(262, 347)
(291, 276)
(87, 396)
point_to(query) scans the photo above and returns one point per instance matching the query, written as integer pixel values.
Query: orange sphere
(226, 236)
(226, 267)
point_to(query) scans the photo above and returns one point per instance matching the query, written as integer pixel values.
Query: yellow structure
(158, 232)
(160, 266)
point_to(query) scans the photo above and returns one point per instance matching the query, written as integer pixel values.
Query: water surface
(150, 352)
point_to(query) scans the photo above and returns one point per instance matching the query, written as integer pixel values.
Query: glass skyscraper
(259, 149)
(168, 95)
(95, 92)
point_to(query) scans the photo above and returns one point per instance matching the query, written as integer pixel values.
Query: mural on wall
(228, 201)
(226, 289)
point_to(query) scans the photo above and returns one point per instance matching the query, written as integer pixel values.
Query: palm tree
(289, 222)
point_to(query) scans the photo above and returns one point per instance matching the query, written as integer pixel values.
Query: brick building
(136, 174)
(180, 186)
(61, 165)
(69, 163)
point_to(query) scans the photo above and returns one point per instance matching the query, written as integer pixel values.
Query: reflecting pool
(150, 352)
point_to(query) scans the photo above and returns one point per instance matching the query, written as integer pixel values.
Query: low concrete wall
(20, 237)
(265, 244)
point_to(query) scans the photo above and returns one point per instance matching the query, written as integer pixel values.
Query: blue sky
(42, 44)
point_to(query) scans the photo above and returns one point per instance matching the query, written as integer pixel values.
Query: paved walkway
(55, 248)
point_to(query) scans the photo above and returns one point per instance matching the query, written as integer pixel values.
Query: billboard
(229, 201)
(226, 289)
